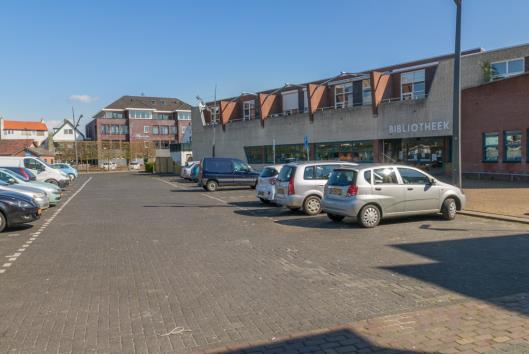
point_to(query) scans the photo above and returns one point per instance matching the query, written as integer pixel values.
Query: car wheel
(52, 181)
(335, 218)
(212, 186)
(3, 222)
(312, 206)
(264, 201)
(449, 209)
(369, 216)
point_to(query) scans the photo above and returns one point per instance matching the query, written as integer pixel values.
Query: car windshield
(268, 172)
(16, 176)
(285, 173)
(342, 178)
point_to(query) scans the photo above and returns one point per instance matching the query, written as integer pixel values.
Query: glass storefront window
(491, 151)
(345, 151)
(513, 146)
(417, 151)
(287, 153)
(254, 154)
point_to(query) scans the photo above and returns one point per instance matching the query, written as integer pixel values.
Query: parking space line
(35, 234)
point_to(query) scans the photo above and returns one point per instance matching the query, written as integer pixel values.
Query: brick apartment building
(138, 118)
(400, 113)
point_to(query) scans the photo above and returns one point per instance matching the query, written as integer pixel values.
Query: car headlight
(19, 203)
(41, 195)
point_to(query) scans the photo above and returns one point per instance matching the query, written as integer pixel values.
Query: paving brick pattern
(136, 265)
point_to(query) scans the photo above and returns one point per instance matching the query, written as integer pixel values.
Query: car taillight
(272, 181)
(291, 186)
(352, 190)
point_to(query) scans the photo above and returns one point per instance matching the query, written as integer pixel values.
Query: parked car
(22, 171)
(195, 172)
(135, 165)
(266, 183)
(17, 208)
(40, 168)
(108, 165)
(300, 185)
(68, 169)
(374, 192)
(221, 171)
(53, 192)
(185, 173)
(37, 195)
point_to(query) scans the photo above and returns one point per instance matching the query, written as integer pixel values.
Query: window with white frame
(140, 114)
(249, 110)
(68, 131)
(506, 68)
(343, 95)
(215, 114)
(164, 130)
(413, 85)
(184, 115)
(366, 91)
(146, 129)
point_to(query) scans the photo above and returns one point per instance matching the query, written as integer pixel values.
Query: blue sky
(57, 53)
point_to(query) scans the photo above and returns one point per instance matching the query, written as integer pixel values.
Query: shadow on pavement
(335, 341)
(483, 268)
(206, 206)
(20, 227)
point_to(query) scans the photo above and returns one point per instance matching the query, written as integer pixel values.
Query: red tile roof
(13, 147)
(21, 125)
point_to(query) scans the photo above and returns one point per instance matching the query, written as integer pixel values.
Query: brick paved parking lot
(137, 263)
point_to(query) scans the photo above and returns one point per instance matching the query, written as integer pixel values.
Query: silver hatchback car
(301, 185)
(372, 192)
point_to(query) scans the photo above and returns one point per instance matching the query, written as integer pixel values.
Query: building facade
(159, 120)
(23, 130)
(67, 133)
(400, 113)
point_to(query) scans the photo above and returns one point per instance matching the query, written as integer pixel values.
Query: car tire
(369, 216)
(212, 186)
(3, 222)
(264, 201)
(52, 181)
(449, 209)
(312, 205)
(335, 218)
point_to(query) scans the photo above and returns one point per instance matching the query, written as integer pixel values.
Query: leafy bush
(149, 167)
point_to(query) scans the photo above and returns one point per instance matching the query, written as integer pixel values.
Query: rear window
(286, 173)
(268, 172)
(342, 178)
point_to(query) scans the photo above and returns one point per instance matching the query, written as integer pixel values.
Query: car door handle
(410, 189)
(378, 188)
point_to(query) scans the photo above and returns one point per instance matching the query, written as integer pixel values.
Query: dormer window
(248, 110)
(413, 85)
(343, 95)
(506, 68)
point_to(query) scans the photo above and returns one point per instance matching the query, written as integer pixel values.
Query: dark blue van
(221, 171)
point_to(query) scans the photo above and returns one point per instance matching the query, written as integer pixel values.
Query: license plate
(39, 211)
(280, 191)
(336, 191)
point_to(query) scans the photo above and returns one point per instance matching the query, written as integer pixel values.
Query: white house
(16, 130)
(66, 132)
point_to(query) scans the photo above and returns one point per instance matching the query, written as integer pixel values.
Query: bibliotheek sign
(419, 127)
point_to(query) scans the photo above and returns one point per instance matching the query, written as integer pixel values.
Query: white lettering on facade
(418, 127)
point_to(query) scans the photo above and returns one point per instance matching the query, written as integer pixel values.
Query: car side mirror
(432, 181)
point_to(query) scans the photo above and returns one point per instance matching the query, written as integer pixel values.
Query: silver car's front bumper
(42, 202)
(344, 207)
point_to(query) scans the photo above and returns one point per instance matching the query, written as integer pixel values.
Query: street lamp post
(456, 121)
(75, 125)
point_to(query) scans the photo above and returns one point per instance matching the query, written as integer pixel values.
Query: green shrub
(149, 167)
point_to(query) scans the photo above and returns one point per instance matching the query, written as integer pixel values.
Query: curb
(479, 214)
